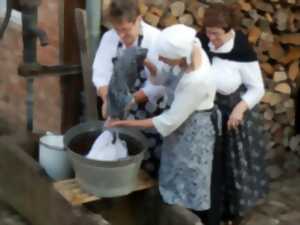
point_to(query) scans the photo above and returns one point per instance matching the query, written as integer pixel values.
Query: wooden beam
(71, 85)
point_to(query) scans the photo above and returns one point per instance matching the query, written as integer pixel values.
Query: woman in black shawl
(238, 179)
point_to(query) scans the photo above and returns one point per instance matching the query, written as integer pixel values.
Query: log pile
(273, 27)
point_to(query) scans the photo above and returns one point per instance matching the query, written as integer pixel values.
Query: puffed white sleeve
(153, 87)
(186, 101)
(103, 66)
(153, 92)
(252, 78)
(161, 67)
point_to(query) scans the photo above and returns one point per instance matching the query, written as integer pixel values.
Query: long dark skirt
(245, 180)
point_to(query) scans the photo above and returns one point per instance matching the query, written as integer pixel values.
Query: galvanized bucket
(53, 157)
(105, 178)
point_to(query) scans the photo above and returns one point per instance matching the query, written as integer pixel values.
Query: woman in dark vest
(238, 179)
(129, 30)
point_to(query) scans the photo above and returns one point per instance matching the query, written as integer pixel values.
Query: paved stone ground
(281, 207)
(9, 217)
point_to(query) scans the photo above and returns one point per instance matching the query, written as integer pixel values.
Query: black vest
(242, 51)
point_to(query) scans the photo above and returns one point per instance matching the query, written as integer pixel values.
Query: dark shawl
(242, 50)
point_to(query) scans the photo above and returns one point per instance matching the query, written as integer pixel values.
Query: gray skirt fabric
(186, 163)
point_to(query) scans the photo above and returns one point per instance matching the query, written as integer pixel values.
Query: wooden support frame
(75, 195)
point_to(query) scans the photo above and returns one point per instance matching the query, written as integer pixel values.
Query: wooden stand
(72, 192)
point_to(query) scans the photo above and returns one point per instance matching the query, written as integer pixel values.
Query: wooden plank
(86, 64)
(72, 192)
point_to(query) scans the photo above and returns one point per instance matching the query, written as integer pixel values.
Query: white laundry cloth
(104, 150)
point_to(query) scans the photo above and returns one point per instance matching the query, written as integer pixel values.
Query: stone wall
(47, 94)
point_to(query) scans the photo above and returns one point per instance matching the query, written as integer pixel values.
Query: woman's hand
(140, 97)
(151, 67)
(104, 109)
(102, 93)
(145, 123)
(237, 115)
(116, 123)
(129, 106)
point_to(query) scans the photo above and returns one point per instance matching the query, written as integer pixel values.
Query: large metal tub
(104, 178)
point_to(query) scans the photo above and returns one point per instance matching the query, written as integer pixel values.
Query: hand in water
(151, 67)
(129, 106)
(110, 123)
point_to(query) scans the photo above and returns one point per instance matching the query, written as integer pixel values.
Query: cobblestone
(282, 205)
(10, 217)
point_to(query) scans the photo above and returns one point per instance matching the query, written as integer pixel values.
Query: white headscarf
(176, 42)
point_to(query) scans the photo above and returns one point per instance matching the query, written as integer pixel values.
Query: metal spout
(41, 35)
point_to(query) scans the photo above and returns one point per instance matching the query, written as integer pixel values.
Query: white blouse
(195, 91)
(230, 75)
(107, 50)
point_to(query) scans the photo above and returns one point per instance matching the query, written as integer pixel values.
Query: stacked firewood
(273, 27)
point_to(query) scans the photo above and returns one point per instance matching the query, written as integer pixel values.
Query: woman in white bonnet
(187, 127)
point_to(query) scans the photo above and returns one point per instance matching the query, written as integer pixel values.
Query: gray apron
(142, 111)
(186, 158)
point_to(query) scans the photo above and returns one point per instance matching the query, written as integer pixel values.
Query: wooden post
(90, 95)
(71, 85)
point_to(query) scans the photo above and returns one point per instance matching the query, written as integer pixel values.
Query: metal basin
(104, 178)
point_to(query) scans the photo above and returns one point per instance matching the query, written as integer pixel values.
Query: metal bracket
(36, 70)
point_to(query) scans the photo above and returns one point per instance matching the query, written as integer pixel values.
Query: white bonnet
(176, 42)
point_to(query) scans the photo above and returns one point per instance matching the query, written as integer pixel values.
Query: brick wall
(47, 94)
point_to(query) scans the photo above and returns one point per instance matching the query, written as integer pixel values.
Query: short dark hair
(120, 10)
(221, 16)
